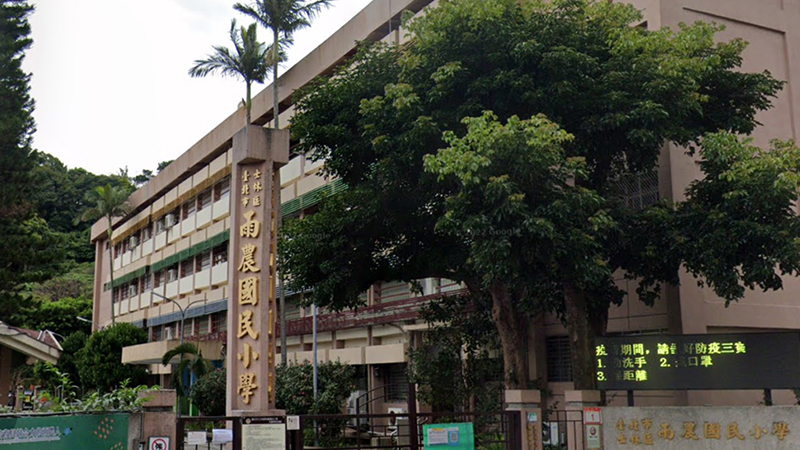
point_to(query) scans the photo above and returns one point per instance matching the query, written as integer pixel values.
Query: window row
(196, 327)
(185, 268)
(197, 203)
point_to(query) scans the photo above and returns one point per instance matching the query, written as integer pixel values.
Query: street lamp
(183, 311)
(94, 325)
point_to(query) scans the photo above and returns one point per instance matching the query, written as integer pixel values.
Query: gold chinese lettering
(621, 439)
(257, 200)
(666, 432)
(257, 174)
(688, 431)
(248, 356)
(733, 431)
(245, 189)
(252, 227)
(633, 425)
(647, 424)
(245, 201)
(257, 187)
(780, 429)
(757, 432)
(247, 386)
(634, 439)
(248, 291)
(248, 259)
(648, 439)
(245, 176)
(711, 430)
(246, 325)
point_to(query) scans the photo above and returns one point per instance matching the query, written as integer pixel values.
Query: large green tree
(29, 247)
(98, 362)
(250, 60)
(489, 150)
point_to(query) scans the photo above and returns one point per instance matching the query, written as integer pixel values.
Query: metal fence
(563, 430)
(493, 431)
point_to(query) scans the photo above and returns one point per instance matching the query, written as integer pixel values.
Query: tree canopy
(98, 362)
(489, 149)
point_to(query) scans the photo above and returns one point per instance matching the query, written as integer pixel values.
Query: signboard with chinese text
(452, 436)
(690, 428)
(62, 432)
(707, 361)
(257, 153)
(263, 434)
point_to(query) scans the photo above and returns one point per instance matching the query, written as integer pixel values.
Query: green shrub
(208, 393)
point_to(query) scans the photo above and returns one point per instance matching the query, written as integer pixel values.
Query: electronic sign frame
(702, 361)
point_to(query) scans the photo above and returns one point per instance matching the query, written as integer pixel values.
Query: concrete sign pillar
(257, 155)
(529, 404)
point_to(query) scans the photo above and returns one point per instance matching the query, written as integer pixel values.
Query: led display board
(704, 361)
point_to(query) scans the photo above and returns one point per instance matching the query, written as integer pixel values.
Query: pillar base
(529, 405)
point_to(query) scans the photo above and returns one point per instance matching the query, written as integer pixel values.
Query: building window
(219, 322)
(204, 200)
(133, 288)
(187, 267)
(159, 278)
(172, 273)
(639, 190)
(203, 261)
(222, 189)
(220, 253)
(559, 359)
(155, 333)
(161, 224)
(116, 294)
(189, 208)
(133, 242)
(147, 232)
(396, 388)
(147, 282)
(202, 325)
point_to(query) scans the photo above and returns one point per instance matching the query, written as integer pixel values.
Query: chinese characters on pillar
(255, 249)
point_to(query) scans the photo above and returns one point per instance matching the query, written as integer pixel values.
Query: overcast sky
(110, 76)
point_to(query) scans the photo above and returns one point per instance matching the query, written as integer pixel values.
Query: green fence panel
(68, 432)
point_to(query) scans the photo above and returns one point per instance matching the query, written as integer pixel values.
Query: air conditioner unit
(133, 242)
(170, 220)
(168, 334)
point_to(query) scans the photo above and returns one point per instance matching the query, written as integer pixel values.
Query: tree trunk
(581, 338)
(512, 327)
(247, 104)
(111, 268)
(276, 59)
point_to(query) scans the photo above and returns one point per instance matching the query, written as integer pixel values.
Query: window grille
(220, 254)
(559, 359)
(204, 200)
(396, 388)
(187, 267)
(222, 189)
(639, 190)
(219, 322)
(203, 261)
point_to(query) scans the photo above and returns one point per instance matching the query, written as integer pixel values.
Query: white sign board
(159, 443)
(702, 428)
(292, 423)
(196, 438)
(592, 416)
(593, 437)
(264, 436)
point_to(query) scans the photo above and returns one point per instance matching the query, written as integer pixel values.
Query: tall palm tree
(109, 202)
(197, 365)
(283, 18)
(250, 60)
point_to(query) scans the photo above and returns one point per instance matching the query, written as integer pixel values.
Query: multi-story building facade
(170, 254)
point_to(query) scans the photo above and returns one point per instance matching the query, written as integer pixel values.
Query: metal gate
(493, 431)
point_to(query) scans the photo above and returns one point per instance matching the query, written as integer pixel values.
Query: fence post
(413, 427)
(529, 421)
(575, 402)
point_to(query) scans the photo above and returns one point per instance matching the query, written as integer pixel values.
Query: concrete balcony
(203, 217)
(147, 247)
(202, 279)
(172, 290)
(188, 225)
(186, 285)
(152, 352)
(352, 356)
(385, 354)
(219, 274)
(221, 208)
(160, 240)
